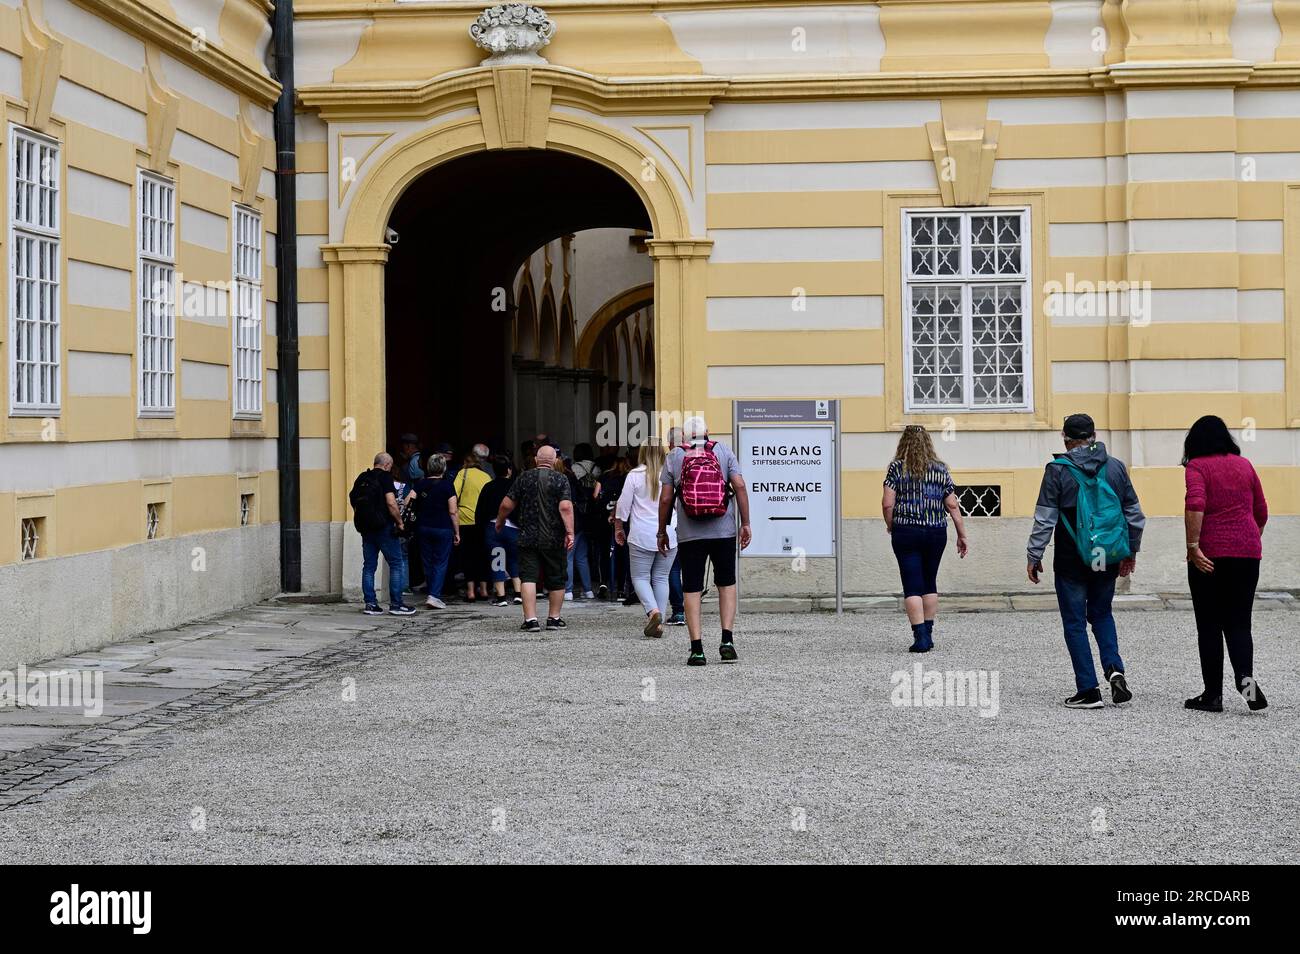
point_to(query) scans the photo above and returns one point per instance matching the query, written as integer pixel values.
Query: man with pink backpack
(702, 479)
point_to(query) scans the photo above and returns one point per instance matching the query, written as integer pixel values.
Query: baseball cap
(409, 438)
(1078, 427)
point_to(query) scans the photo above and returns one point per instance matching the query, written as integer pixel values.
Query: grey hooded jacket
(1057, 498)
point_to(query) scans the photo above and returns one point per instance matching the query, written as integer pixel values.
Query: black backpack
(369, 509)
(585, 494)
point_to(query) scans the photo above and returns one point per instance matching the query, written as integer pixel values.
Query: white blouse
(643, 512)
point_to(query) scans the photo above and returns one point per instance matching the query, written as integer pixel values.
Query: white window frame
(46, 232)
(247, 366)
(156, 254)
(966, 278)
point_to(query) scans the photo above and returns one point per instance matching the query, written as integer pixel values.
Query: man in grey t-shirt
(704, 540)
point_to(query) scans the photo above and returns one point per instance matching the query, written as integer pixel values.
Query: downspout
(286, 260)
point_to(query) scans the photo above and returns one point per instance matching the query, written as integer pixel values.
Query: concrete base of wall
(321, 557)
(71, 604)
(996, 562)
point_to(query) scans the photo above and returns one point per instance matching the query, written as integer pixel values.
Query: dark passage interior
(464, 229)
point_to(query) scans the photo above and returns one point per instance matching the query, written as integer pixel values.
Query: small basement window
(153, 521)
(980, 500)
(32, 535)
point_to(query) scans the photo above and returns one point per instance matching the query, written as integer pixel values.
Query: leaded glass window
(967, 310)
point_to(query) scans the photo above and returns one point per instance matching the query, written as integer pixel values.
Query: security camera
(391, 236)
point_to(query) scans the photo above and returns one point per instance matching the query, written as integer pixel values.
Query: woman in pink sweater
(1225, 513)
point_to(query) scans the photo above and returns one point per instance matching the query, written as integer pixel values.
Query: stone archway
(356, 264)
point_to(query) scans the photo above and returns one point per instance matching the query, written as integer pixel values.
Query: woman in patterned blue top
(919, 496)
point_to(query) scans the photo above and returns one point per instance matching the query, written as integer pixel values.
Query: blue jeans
(507, 542)
(675, 598)
(580, 560)
(1085, 602)
(435, 553)
(919, 550)
(372, 544)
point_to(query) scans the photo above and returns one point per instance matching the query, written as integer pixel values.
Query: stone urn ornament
(512, 33)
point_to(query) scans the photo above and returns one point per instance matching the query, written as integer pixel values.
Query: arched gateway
(480, 112)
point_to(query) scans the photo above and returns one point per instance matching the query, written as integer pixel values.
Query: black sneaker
(1119, 690)
(517, 600)
(602, 592)
(554, 622)
(531, 626)
(696, 659)
(501, 601)
(1205, 703)
(727, 652)
(1085, 700)
(373, 609)
(1251, 692)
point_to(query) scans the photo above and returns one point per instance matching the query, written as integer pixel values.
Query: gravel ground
(481, 744)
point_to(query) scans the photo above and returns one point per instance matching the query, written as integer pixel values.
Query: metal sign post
(789, 452)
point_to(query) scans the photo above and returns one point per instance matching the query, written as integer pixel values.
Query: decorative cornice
(602, 95)
(679, 248)
(175, 40)
(342, 254)
(693, 95)
(1181, 73)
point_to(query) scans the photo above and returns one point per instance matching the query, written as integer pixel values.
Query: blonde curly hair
(916, 451)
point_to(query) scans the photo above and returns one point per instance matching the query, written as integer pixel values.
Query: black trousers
(1223, 601)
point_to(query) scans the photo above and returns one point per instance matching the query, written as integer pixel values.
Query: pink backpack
(703, 486)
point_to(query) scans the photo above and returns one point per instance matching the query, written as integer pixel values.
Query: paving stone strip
(56, 767)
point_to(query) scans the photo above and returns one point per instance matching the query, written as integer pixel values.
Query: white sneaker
(434, 603)
(568, 597)
(589, 595)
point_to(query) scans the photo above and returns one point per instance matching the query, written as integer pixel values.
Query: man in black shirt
(542, 504)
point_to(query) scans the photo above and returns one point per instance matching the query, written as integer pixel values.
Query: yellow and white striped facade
(1149, 140)
(121, 91)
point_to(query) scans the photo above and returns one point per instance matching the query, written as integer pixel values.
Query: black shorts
(548, 568)
(720, 551)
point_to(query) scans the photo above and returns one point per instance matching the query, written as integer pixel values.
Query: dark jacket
(1057, 498)
(489, 499)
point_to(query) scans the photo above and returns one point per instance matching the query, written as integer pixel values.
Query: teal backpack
(1100, 532)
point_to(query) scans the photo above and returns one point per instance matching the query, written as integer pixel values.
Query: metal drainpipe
(286, 258)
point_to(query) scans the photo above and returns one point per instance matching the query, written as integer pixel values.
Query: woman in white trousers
(637, 523)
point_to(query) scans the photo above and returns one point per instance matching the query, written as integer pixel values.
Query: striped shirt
(919, 503)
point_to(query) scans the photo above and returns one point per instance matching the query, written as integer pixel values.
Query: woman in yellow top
(469, 483)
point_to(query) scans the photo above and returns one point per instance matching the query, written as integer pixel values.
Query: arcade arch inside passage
(519, 299)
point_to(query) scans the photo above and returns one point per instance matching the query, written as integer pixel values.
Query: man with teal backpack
(1088, 499)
